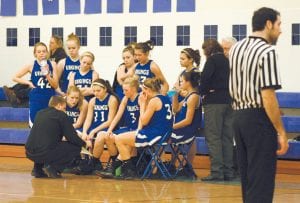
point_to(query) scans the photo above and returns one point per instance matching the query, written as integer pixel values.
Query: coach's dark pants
(219, 138)
(256, 140)
(59, 157)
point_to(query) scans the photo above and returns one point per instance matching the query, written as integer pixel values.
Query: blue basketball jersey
(162, 120)
(73, 113)
(180, 98)
(196, 122)
(40, 95)
(101, 111)
(42, 85)
(70, 66)
(144, 71)
(132, 114)
(84, 81)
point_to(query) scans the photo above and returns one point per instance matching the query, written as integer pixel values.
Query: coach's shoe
(211, 178)
(231, 178)
(38, 173)
(52, 172)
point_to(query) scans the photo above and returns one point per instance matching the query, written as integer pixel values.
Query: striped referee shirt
(253, 67)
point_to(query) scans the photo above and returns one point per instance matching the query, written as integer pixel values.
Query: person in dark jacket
(57, 51)
(218, 132)
(45, 146)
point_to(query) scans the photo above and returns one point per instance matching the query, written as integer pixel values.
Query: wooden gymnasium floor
(17, 185)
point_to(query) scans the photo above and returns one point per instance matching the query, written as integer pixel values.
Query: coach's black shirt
(49, 127)
(214, 82)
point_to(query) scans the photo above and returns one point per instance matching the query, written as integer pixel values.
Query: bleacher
(289, 102)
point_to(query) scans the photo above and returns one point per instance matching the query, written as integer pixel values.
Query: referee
(254, 77)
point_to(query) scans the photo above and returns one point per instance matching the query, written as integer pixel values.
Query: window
(105, 36)
(183, 35)
(34, 36)
(239, 32)
(156, 35)
(58, 31)
(130, 35)
(296, 34)
(210, 32)
(11, 37)
(81, 32)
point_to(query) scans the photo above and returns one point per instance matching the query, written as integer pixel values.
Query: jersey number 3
(169, 111)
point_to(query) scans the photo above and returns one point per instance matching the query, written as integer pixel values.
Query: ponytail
(192, 54)
(145, 46)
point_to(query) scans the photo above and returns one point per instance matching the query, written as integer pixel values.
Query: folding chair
(180, 153)
(155, 151)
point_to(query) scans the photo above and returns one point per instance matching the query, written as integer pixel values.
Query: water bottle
(44, 67)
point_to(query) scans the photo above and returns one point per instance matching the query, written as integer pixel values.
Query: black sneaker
(212, 179)
(128, 172)
(51, 172)
(107, 172)
(38, 173)
(85, 167)
(98, 167)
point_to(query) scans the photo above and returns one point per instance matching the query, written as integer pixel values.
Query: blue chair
(180, 153)
(154, 152)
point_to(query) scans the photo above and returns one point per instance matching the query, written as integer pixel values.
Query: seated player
(156, 119)
(129, 110)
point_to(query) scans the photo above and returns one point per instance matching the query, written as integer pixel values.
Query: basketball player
(156, 119)
(84, 77)
(129, 110)
(76, 107)
(70, 64)
(147, 68)
(43, 80)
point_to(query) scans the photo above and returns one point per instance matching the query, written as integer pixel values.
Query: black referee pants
(256, 141)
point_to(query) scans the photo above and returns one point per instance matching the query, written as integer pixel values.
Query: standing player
(156, 119)
(85, 76)
(126, 69)
(129, 110)
(254, 77)
(147, 68)
(43, 80)
(70, 64)
(76, 107)
(188, 59)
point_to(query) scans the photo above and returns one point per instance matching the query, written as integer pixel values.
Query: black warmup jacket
(214, 81)
(47, 131)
